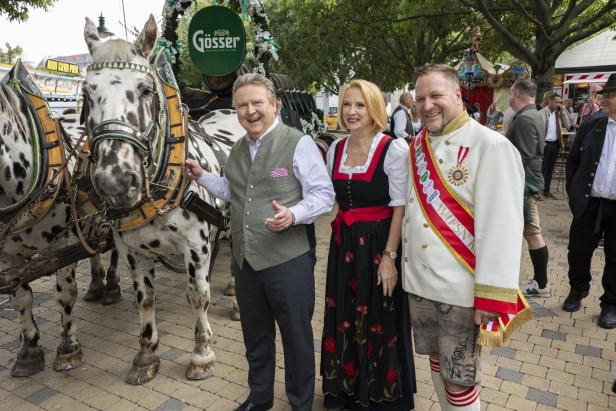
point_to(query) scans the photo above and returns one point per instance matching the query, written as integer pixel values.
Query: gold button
(411, 200)
(440, 160)
(406, 259)
(447, 142)
(406, 240)
(407, 220)
(424, 245)
(426, 225)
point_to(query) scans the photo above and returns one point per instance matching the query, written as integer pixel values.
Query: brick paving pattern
(558, 361)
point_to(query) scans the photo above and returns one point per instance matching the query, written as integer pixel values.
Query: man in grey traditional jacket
(278, 185)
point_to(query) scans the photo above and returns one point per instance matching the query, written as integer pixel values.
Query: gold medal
(457, 175)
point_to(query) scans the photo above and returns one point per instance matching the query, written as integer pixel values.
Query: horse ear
(90, 33)
(147, 38)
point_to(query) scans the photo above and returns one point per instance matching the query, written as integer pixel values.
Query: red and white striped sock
(437, 380)
(465, 400)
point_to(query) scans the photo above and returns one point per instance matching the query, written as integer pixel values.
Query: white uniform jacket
(492, 189)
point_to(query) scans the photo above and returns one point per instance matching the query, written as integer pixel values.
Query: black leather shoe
(251, 406)
(573, 302)
(607, 318)
(614, 387)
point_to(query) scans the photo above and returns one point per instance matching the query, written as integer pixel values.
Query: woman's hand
(387, 275)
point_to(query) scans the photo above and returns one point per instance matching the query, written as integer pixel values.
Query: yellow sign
(61, 66)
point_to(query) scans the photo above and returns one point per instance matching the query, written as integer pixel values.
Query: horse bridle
(121, 130)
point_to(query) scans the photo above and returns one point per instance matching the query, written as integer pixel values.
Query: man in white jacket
(462, 238)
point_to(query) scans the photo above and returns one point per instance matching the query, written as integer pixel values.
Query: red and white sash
(453, 222)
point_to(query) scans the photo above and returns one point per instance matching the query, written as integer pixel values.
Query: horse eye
(146, 91)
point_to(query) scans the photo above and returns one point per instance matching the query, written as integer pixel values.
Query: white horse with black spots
(124, 99)
(19, 161)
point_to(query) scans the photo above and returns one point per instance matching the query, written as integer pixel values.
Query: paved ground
(558, 361)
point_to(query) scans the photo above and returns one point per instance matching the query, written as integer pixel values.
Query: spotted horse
(138, 138)
(35, 214)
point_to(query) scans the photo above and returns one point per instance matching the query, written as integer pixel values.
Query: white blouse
(396, 166)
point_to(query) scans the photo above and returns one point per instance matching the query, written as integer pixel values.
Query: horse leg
(97, 276)
(68, 355)
(145, 363)
(112, 293)
(198, 258)
(30, 358)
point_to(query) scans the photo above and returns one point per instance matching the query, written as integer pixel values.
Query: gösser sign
(216, 40)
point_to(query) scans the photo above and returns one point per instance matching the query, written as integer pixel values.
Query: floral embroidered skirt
(366, 351)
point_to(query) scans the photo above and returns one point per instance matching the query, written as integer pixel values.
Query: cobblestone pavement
(557, 361)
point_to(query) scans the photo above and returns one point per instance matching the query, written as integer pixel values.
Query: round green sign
(216, 40)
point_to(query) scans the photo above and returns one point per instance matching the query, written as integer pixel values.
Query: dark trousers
(283, 294)
(598, 219)
(550, 155)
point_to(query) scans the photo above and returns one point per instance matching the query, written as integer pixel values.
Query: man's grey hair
(404, 96)
(525, 87)
(255, 79)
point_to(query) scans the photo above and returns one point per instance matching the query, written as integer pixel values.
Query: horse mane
(114, 50)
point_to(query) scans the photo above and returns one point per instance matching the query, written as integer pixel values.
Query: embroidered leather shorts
(450, 331)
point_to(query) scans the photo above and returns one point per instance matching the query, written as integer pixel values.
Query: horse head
(122, 107)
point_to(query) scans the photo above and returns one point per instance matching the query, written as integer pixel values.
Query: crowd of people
(426, 243)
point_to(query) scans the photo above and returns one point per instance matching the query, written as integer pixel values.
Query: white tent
(595, 54)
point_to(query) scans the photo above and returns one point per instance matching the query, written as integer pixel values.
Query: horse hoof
(29, 361)
(144, 369)
(112, 296)
(230, 290)
(68, 361)
(94, 293)
(199, 371)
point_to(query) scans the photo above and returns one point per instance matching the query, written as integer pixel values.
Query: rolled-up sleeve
(396, 166)
(317, 189)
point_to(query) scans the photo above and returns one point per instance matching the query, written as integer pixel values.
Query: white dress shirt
(395, 165)
(604, 184)
(308, 167)
(551, 134)
(400, 123)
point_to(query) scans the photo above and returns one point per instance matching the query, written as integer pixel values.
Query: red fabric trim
(457, 395)
(354, 215)
(446, 197)
(448, 235)
(367, 176)
(501, 307)
(464, 398)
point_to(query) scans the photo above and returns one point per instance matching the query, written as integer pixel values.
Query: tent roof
(596, 52)
(483, 63)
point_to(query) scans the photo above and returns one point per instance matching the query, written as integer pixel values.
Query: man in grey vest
(278, 185)
(401, 123)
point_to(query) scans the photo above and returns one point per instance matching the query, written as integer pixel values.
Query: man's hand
(283, 218)
(192, 168)
(485, 317)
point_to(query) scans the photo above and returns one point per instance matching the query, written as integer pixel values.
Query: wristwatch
(391, 254)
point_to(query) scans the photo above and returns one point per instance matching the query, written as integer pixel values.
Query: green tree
(18, 9)
(385, 41)
(538, 31)
(11, 54)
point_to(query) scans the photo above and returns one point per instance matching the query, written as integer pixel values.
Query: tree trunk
(543, 77)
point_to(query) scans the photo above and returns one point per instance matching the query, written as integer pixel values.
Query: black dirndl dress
(366, 351)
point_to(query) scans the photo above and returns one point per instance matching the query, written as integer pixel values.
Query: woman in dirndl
(366, 355)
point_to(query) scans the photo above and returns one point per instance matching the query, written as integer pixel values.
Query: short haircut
(554, 95)
(446, 71)
(374, 102)
(404, 96)
(525, 87)
(255, 79)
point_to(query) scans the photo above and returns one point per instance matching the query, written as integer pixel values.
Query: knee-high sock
(439, 385)
(539, 258)
(465, 400)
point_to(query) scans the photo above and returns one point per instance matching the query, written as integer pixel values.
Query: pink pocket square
(280, 172)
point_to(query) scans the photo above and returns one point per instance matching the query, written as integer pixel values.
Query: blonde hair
(375, 103)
